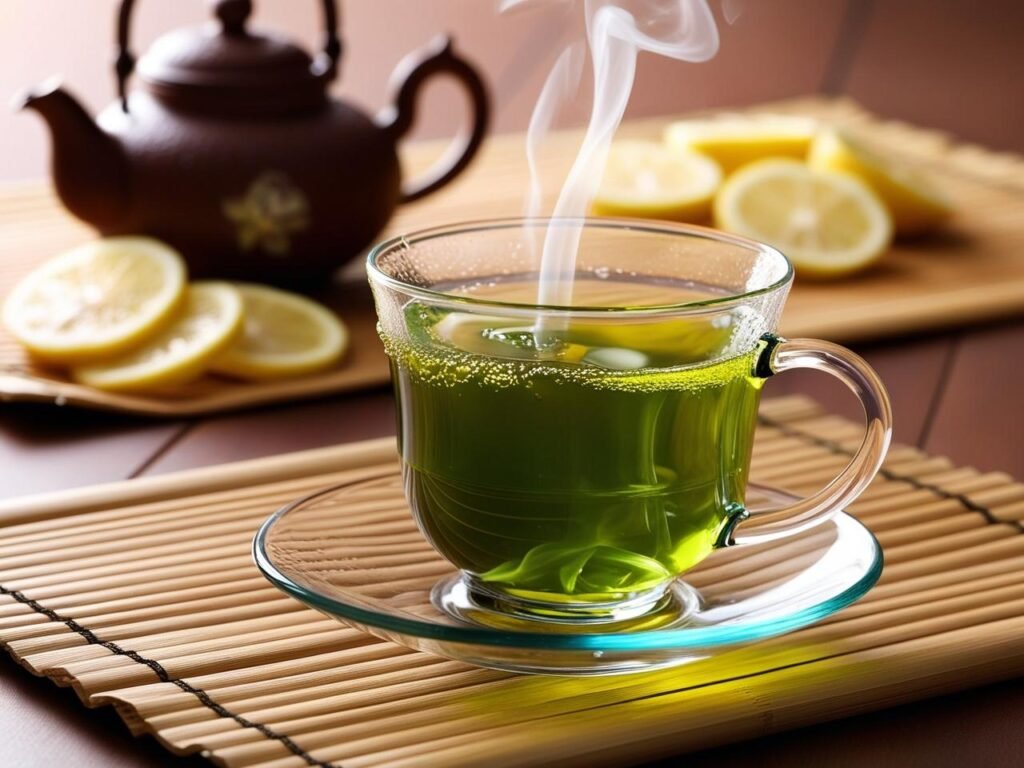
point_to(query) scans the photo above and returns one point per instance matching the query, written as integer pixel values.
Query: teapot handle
(412, 72)
(233, 15)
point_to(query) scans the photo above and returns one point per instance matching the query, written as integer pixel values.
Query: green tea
(586, 461)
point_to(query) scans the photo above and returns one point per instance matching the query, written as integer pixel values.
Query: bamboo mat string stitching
(204, 698)
(221, 711)
(888, 474)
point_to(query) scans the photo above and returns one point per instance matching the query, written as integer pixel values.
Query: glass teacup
(573, 461)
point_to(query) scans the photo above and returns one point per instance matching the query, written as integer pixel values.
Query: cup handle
(412, 73)
(778, 355)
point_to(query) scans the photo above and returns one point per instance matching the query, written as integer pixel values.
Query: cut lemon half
(209, 319)
(96, 300)
(828, 224)
(285, 335)
(649, 180)
(916, 205)
(735, 140)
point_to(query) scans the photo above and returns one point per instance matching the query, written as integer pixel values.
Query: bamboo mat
(969, 273)
(143, 595)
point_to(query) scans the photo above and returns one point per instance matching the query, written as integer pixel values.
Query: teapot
(234, 154)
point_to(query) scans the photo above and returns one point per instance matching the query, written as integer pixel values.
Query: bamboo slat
(191, 645)
(971, 272)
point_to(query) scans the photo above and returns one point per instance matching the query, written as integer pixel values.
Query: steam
(616, 31)
(731, 10)
(561, 84)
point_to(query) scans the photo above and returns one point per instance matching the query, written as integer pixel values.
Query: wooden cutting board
(972, 271)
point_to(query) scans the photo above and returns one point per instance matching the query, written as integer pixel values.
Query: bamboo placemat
(972, 272)
(143, 595)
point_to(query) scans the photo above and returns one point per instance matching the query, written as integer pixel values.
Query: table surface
(954, 394)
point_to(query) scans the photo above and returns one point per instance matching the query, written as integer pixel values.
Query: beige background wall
(956, 63)
(75, 38)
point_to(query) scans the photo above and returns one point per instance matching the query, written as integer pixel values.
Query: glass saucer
(355, 553)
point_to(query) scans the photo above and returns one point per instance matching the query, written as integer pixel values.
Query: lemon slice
(649, 180)
(285, 335)
(735, 140)
(209, 319)
(828, 224)
(494, 336)
(915, 204)
(96, 300)
(679, 339)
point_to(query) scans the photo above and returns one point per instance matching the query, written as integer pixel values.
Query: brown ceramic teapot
(234, 153)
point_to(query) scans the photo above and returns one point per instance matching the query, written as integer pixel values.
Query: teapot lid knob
(232, 15)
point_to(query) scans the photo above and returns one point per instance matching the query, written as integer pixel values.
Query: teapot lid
(226, 69)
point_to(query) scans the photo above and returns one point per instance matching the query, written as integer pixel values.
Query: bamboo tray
(143, 596)
(970, 273)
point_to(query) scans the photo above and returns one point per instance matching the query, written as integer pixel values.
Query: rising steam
(616, 31)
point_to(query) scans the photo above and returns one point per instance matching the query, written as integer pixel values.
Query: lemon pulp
(209, 319)
(828, 224)
(916, 205)
(284, 335)
(96, 300)
(649, 180)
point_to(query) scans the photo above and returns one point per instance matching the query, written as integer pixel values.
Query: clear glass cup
(573, 460)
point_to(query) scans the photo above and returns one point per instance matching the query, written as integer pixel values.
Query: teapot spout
(88, 164)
